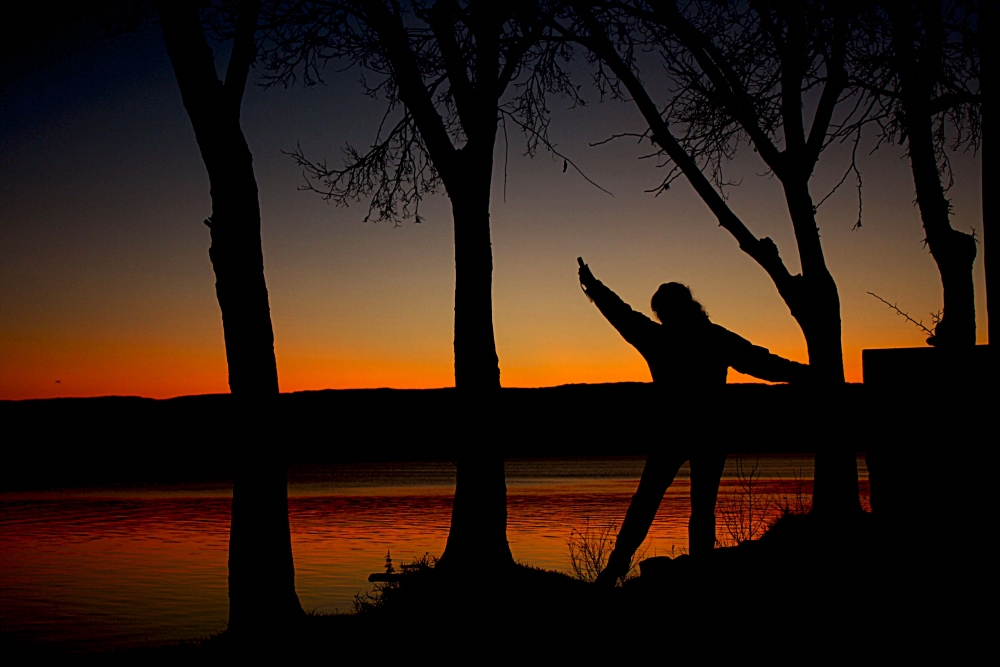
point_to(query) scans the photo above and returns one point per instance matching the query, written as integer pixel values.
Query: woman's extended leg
(706, 471)
(657, 476)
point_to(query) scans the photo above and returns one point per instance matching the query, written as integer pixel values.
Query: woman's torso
(692, 357)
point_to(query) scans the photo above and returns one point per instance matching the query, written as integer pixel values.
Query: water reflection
(102, 567)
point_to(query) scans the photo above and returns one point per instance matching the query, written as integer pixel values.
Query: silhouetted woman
(689, 358)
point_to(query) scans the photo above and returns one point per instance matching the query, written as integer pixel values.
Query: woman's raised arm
(634, 327)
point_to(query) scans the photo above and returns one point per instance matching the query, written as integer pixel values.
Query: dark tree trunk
(478, 533)
(814, 302)
(477, 537)
(918, 58)
(987, 24)
(953, 251)
(261, 572)
(477, 366)
(238, 261)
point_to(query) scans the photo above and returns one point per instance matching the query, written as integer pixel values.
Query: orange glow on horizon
(87, 368)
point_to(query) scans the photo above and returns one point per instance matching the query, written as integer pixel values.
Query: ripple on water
(124, 567)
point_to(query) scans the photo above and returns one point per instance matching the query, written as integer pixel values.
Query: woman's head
(673, 302)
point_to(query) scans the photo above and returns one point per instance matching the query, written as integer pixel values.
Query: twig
(900, 312)
(852, 167)
(552, 149)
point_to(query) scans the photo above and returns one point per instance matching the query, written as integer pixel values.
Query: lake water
(103, 568)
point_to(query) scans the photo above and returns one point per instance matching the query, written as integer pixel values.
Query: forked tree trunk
(261, 571)
(478, 533)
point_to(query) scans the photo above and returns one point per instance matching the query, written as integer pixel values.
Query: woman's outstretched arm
(759, 362)
(634, 327)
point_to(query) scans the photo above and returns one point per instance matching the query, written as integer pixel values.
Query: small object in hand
(586, 277)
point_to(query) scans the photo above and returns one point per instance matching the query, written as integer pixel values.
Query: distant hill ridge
(71, 441)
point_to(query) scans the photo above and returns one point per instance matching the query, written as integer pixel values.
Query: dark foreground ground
(811, 591)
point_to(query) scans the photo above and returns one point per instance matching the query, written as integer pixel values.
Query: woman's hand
(586, 277)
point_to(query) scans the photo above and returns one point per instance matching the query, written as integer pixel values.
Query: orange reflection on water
(126, 567)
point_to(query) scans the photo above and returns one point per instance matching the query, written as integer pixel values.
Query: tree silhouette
(922, 67)
(261, 571)
(987, 77)
(742, 73)
(452, 74)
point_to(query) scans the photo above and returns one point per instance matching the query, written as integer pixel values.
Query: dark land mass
(58, 443)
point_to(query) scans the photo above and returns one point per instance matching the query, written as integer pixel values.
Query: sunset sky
(106, 285)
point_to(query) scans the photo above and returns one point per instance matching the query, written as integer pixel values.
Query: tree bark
(814, 302)
(986, 26)
(953, 251)
(919, 63)
(261, 570)
(478, 533)
(477, 366)
(262, 593)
